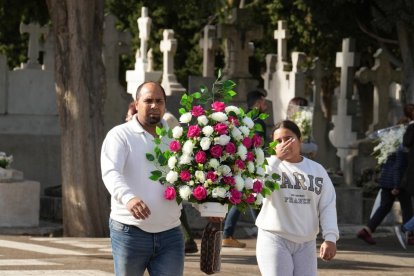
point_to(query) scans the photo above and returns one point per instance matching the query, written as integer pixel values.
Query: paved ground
(34, 255)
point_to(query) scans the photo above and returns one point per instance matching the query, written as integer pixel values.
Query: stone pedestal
(349, 205)
(19, 202)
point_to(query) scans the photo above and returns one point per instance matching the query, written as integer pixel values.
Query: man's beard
(153, 120)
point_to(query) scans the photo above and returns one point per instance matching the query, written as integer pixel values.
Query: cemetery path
(27, 255)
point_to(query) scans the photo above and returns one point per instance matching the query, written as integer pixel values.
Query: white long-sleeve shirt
(306, 198)
(126, 172)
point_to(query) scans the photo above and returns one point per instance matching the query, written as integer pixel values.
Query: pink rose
(197, 110)
(234, 120)
(250, 199)
(185, 175)
(240, 164)
(257, 186)
(250, 156)
(221, 128)
(235, 196)
(229, 180)
(257, 140)
(175, 146)
(200, 193)
(193, 131)
(218, 106)
(247, 142)
(169, 193)
(211, 175)
(201, 157)
(216, 151)
(231, 148)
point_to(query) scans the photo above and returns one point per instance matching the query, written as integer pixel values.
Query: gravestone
(281, 35)
(19, 200)
(209, 44)
(117, 100)
(381, 75)
(271, 61)
(143, 70)
(35, 31)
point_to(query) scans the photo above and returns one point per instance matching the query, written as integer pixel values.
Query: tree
(80, 86)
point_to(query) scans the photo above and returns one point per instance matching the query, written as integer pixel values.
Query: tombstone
(19, 200)
(35, 32)
(297, 77)
(281, 35)
(381, 75)
(117, 100)
(271, 61)
(209, 44)
(3, 84)
(345, 131)
(237, 35)
(169, 82)
(48, 49)
(143, 70)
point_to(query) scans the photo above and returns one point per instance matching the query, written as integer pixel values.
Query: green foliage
(155, 175)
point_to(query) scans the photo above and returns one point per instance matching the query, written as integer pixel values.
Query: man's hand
(138, 208)
(327, 250)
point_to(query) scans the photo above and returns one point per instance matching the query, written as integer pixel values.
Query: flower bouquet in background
(214, 155)
(302, 116)
(389, 139)
(5, 160)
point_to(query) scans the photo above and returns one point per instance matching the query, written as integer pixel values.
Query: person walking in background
(289, 219)
(255, 99)
(144, 227)
(405, 232)
(190, 244)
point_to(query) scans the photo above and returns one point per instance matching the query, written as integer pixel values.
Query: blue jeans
(409, 225)
(231, 222)
(134, 250)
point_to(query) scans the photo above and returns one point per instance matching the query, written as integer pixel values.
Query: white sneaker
(401, 236)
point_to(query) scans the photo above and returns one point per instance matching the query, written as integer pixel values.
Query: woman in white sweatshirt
(289, 219)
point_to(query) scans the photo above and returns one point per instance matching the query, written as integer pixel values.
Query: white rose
(171, 176)
(250, 167)
(236, 134)
(205, 143)
(200, 176)
(242, 152)
(208, 130)
(191, 183)
(214, 163)
(219, 116)
(248, 183)
(218, 192)
(171, 162)
(245, 130)
(248, 122)
(177, 132)
(222, 140)
(224, 170)
(232, 108)
(185, 192)
(260, 171)
(259, 199)
(260, 157)
(185, 118)
(188, 147)
(202, 120)
(185, 159)
(239, 182)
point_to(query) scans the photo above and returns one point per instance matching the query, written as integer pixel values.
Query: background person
(289, 218)
(144, 227)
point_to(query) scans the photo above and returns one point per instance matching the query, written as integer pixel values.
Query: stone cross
(346, 60)
(35, 32)
(281, 35)
(209, 44)
(168, 47)
(48, 48)
(144, 27)
(237, 36)
(381, 75)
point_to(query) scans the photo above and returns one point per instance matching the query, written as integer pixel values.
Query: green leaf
(271, 151)
(258, 128)
(275, 176)
(150, 157)
(158, 130)
(203, 89)
(155, 175)
(182, 111)
(157, 141)
(228, 85)
(263, 116)
(231, 93)
(197, 95)
(162, 160)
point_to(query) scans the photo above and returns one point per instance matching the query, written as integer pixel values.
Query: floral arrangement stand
(214, 156)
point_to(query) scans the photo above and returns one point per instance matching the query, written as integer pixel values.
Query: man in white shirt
(144, 227)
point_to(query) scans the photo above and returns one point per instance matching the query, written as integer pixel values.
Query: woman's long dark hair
(289, 125)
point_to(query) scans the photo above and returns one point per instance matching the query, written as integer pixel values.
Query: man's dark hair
(253, 97)
(138, 93)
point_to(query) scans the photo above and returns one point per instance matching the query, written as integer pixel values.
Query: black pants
(387, 200)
